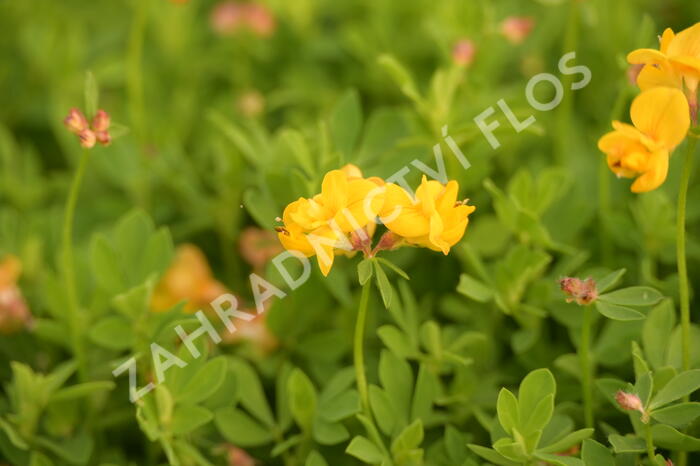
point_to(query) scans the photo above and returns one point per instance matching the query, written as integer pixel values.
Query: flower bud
(583, 292)
(516, 28)
(227, 17)
(101, 121)
(260, 20)
(103, 137)
(75, 121)
(463, 52)
(87, 138)
(631, 402)
(14, 312)
(632, 73)
(238, 457)
(258, 246)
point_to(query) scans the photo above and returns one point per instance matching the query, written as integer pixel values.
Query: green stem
(586, 371)
(358, 350)
(680, 252)
(650, 445)
(74, 322)
(683, 292)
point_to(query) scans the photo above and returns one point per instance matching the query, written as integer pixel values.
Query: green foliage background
(364, 82)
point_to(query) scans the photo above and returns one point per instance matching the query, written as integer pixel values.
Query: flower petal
(663, 114)
(655, 174)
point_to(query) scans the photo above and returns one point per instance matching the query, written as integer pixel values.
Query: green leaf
(81, 390)
(251, 391)
(683, 384)
(595, 454)
(91, 95)
(633, 296)
(394, 267)
(396, 341)
(508, 411)
(540, 417)
(104, 261)
(397, 379)
(385, 288)
(302, 399)
(205, 382)
(657, 332)
(188, 417)
(537, 385)
(365, 270)
(113, 332)
(512, 450)
(615, 312)
(679, 415)
(474, 289)
(627, 444)
(401, 76)
(610, 280)
(669, 438)
(315, 459)
(492, 456)
(426, 391)
(346, 123)
(13, 435)
(574, 438)
(382, 409)
(329, 433)
(559, 460)
(410, 438)
(364, 450)
(240, 429)
(340, 406)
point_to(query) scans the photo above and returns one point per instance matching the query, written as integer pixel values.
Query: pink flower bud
(260, 20)
(87, 138)
(103, 137)
(463, 52)
(669, 462)
(227, 17)
(583, 292)
(75, 121)
(14, 312)
(101, 121)
(632, 73)
(238, 457)
(631, 402)
(517, 28)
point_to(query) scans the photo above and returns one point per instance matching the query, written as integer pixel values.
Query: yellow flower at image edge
(661, 119)
(435, 219)
(676, 62)
(317, 226)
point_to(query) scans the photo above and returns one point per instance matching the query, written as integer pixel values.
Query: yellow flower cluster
(661, 114)
(343, 217)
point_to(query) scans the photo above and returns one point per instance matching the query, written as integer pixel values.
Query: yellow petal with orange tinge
(658, 75)
(666, 39)
(644, 56)
(655, 174)
(663, 114)
(334, 190)
(685, 43)
(296, 241)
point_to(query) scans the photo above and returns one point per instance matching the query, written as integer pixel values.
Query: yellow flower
(435, 219)
(676, 62)
(319, 225)
(661, 120)
(189, 279)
